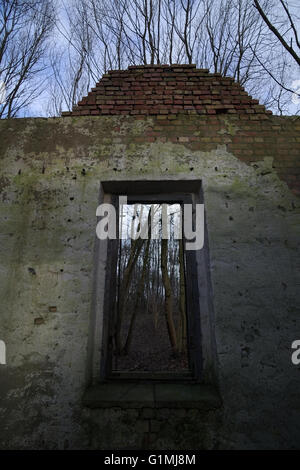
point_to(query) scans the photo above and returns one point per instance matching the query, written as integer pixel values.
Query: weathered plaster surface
(49, 188)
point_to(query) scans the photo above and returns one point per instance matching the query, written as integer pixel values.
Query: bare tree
(238, 38)
(25, 26)
(230, 37)
(168, 295)
(136, 248)
(289, 37)
(181, 330)
(283, 59)
(139, 291)
(71, 73)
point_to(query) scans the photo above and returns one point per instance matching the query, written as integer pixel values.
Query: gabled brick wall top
(163, 89)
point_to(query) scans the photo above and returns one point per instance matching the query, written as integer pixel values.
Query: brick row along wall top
(200, 110)
(163, 89)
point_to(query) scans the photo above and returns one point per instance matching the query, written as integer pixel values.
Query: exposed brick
(173, 104)
(163, 89)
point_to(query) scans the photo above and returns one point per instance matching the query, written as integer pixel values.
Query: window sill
(155, 395)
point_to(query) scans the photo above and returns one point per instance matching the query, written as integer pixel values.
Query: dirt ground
(150, 348)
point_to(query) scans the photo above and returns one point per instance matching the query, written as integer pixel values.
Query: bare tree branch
(275, 31)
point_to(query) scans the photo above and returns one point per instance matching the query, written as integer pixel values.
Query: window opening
(151, 324)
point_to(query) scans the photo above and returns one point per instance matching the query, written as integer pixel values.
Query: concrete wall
(49, 188)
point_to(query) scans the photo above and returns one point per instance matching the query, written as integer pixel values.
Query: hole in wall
(221, 111)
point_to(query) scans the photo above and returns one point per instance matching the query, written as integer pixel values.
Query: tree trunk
(137, 301)
(134, 254)
(182, 306)
(168, 294)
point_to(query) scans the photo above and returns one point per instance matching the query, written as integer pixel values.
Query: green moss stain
(230, 127)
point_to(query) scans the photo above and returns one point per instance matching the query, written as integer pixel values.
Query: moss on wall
(49, 188)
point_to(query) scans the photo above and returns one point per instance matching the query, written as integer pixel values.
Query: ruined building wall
(50, 175)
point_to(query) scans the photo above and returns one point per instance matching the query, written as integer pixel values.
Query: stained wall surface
(51, 171)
